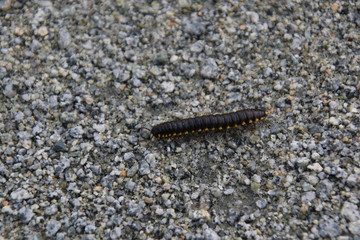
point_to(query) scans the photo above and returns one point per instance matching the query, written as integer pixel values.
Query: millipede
(207, 123)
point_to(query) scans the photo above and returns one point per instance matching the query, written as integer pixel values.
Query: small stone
(76, 132)
(19, 31)
(64, 38)
(144, 168)
(99, 127)
(253, 139)
(115, 233)
(210, 234)
(254, 187)
(315, 167)
(42, 31)
(351, 181)
(59, 146)
(5, 5)
(135, 209)
(229, 191)
(128, 156)
(315, 156)
(52, 227)
(199, 214)
(334, 121)
(261, 203)
(89, 229)
(159, 211)
(130, 185)
(135, 82)
(354, 227)
(197, 47)
(133, 170)
(193, 26)
(256, 178)
(168, 86)
(9, 90)
(308, 196)
(209, 69)
(350, 211)
(329, 228)
(25, 214)
(51, 210)
(254, 17)
(156, 71)
(20, 194)
(334, 6)
(161, 58)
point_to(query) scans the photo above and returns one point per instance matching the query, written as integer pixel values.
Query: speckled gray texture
(83, 81)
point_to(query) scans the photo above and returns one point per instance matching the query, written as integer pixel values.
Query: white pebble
(168, 86)
(334, 121)
(315, 167)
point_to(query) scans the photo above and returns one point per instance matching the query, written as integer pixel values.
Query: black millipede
(208, 122)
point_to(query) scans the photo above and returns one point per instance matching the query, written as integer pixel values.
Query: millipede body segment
(206, 123)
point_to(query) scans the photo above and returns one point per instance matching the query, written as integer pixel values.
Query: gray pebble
(107, 181)
(168, 86)
(130, 185)
(254, 17)
(25, 214)
(144, 168)
(209, 69)
(354, 228)
(9, 90)
(115, 233)
(351, 181)
(210, 234)
(20, 194)
(76, 132)
(324, 188)
(229, 191)
(64, 38)
(52, 227)
(308, 196)
(197, 46)
(133, 170)
(261, 203)
(350, 211)
(188, 69)
(161, 58)
(334, 121)
(135, 209)
(59, 146)
(128, 156)
(90, 229)
(51, 210)
(253, 139)
(193, 26)
(68, 117)
(329, 228)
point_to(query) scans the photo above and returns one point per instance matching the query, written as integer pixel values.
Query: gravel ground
(82, 81)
